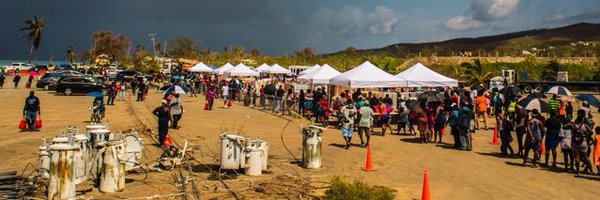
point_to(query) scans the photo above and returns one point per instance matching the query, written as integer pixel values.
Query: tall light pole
(152, 35)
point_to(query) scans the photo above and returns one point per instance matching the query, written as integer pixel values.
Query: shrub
(342, 190)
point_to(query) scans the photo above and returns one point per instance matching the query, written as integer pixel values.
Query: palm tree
(33, 32)
(474, 73)
(71, 53)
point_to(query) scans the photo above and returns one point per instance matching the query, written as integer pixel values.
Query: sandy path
(399, 162)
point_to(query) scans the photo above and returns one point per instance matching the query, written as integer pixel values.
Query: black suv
(72, 85)
(128, 75)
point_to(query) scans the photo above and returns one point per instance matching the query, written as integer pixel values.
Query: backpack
(453, 119)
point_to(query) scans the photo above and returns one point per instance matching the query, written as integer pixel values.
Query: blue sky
(281, 26)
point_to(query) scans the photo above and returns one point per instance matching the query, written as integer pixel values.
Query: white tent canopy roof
(240, 70)
(321, 75)
(201, 67)
(262, 67)
(309, 70)
(420, 76)
(224, 68)
(367, 75)
(277, 69)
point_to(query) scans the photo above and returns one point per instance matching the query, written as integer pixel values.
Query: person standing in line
(365, 123)
(421, 120)
(569, 110)
(520, 121)
(210, 97)
(279, 99)
(384, 117)
(504, 129)
(579, 144)
(535, 132)
(176, 110)
(17, 79)
(301, 102)
(122, 91)
(565, 144)
(554, 104)
(481, 104)
(225, 91)
(454, 122)
(439, 124)
(553, 126)
(31, 110)
(464, 131)
(163, 112)
(402, 120)
(348, 117)
(596, 155)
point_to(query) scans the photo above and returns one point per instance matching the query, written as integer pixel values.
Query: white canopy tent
(224, 68)
(309, 70)
(240, 70)
(277, 69)
(201, 67)
(367, 75)
(420, 76)
(262, 68)
(322, 75)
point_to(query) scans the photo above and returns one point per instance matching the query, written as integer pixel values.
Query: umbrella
(531, 103)
(32, 73)
(591, 99)
(411, 104)
(559, 90)
(95, 94)
(431, 96)
(537, 95)
(510, 90)
(496, 89)
(176, 90)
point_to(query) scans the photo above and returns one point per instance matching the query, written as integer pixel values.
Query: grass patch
(343, 190)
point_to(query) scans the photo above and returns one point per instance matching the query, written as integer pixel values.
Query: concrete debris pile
(97, 155)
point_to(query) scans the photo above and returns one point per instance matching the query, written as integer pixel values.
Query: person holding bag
(31, 111)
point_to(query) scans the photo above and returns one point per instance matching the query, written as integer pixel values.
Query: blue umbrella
(177, 76)
(593, 101)
(176, 90)
(95, 94)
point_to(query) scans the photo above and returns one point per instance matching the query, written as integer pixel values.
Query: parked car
(128, 75)
(46, 79)
(65, 73)
(112, 72)
(17, 66)
(72, 85)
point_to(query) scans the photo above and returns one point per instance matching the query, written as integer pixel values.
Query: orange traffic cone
(495, 137)
(442, 131)
(369, 163)
(425, 193)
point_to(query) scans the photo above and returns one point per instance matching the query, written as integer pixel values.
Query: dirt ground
(399, 160)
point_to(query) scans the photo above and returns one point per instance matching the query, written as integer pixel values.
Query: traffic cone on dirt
(368, 163)
(542, 150)
(495, 136)
(425, 193)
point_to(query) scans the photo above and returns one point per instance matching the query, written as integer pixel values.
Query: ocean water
(33, 62)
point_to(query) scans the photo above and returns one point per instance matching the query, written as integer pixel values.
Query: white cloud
(351, 20)
(480, 13)
(462, 23)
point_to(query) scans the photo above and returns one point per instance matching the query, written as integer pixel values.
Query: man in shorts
(481, 105)
(365, 123)
(348, 116)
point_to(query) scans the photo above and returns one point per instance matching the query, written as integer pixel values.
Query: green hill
(554, 41)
